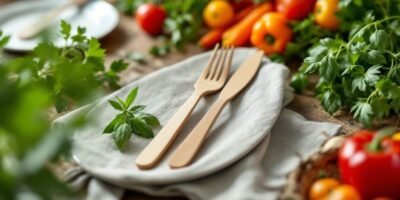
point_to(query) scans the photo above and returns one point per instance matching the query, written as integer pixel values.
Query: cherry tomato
(218, 13)
(322, 188)
(344, 192)
(325, 13)
(396, 137)
(295, 9)
(150, 18)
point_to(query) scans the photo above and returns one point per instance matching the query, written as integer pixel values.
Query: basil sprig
(131, 120)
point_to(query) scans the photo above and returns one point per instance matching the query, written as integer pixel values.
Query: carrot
(239, 34)
(211, 38)
(242, 14)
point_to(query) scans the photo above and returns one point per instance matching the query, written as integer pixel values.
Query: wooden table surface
(128, 38)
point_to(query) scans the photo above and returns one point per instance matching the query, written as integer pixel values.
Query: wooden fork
(211, 80)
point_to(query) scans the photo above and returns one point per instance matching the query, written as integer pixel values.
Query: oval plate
(99, 18)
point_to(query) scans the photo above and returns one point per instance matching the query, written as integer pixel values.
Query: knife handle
(189, 148)
(155, 150)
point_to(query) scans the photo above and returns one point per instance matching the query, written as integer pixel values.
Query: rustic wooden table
(128, 38)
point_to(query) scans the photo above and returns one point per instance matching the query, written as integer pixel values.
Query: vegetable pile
(352, 45)
(369, 168)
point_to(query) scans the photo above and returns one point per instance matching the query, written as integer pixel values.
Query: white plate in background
(99, 18)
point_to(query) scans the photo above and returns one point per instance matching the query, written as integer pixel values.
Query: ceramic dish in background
(99, 18)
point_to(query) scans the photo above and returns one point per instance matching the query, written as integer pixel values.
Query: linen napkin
(250, 150)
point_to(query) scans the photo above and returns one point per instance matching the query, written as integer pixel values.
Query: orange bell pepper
(239, 34)
(271, 33)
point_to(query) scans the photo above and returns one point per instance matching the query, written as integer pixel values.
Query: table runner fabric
(253, 145)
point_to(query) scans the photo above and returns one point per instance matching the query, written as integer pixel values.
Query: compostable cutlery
(211, 80)
(190, 146)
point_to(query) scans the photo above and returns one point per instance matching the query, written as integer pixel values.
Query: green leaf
(115, 105)
(363, 112)
(3, 39)
(375, 57)
(118, 65)
(159, 50)
(312, 64)
(380, 39)
(60, 103)
(121, 102)
(359, 83)
(141, 128)
(137, 108)
(122, 135)
(119, 119)
(131, 97)
(65, 29)
(329, 68)
(137, 57)
(94, 49)
(371, 76)
(299, 82)
(380, 107)
(331, 101)
(151, 120)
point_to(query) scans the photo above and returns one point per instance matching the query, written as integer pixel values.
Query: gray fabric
(240, 160)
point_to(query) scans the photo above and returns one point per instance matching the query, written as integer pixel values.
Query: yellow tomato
(322, 188)
(344, 192)
(218, 14)
(396, 136)
(325, 13)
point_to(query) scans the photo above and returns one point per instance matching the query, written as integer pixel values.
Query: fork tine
(221, 64)
(210, 62)
(215, 65)
(227, 66)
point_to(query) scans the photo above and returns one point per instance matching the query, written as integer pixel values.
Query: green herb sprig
(131, 120)
(361, 74)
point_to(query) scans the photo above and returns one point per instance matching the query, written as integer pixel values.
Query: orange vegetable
(396, 137)
(331, 189)
(214, 36)
(325, 14)
(239, 34)
(242, 14)
(271, 33)
(218, 14)
(322, 187)
(344, 192)
(211, 38)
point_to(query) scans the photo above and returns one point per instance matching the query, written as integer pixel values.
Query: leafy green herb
(78, 65)
(361, 73)
(131, 120)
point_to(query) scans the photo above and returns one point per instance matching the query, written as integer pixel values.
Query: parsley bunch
(131, 120)
(78, 65)
(363, 72)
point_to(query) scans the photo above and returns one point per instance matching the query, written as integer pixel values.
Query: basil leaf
(141, 128)
(122, 135)
(115, 105)
(114, 123)
(131, 97)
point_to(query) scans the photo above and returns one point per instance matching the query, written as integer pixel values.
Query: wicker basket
(320, 164)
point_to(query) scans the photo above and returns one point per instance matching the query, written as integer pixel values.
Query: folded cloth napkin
(251, 148)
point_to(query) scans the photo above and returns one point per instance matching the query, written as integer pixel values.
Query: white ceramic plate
(99, 18)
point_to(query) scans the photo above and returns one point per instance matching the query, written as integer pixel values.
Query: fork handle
(155, 150)
(188, 149)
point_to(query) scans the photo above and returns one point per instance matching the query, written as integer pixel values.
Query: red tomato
(295, 9)
(150, 18)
